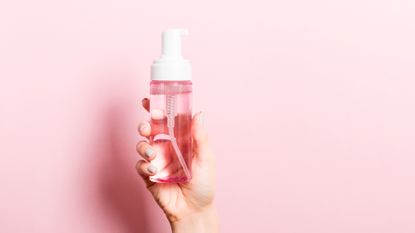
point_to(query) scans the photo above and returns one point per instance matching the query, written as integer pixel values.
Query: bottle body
(171, 122)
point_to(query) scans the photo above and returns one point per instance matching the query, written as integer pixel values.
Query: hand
(189, 206)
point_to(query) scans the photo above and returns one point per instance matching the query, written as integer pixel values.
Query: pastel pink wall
(310, 106)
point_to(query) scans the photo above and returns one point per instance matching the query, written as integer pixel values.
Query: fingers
(145, 150)
(145, 169)
(146, 104)
(200, 139)
(144, 129)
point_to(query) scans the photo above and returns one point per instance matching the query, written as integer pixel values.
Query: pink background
(310, 106)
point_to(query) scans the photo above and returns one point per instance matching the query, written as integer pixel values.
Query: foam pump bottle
(171, 111)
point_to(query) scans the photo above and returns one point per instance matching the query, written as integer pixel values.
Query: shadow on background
(122, 193)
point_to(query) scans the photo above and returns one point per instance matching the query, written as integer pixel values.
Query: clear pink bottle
(171, 111)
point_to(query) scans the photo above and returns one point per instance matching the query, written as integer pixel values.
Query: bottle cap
(171, 66)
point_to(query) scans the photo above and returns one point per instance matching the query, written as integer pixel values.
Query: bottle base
(170, 180)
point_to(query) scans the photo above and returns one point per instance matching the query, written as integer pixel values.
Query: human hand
(188, 206)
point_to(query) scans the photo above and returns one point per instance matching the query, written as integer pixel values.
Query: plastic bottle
(171, 111)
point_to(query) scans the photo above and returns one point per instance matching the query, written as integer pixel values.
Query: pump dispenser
(171, 112)
(171, 65)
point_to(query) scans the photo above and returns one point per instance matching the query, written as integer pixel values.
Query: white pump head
(171, 66)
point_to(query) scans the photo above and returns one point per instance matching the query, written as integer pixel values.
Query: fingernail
(152, 169)
(143, 127)
(149, 152)
(157, 114)
(144, 100)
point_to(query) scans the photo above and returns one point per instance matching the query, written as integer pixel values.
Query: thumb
(200, 139)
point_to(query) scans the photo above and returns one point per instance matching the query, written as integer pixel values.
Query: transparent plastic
(171, 120)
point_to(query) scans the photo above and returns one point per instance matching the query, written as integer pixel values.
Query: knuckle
(140, 165)
(140, 145)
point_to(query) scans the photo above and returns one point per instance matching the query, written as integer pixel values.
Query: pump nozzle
(172, 43)
(171, 66)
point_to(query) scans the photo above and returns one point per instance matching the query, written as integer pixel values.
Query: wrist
(202, 221)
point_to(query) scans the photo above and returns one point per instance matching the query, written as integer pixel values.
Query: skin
(189, 207)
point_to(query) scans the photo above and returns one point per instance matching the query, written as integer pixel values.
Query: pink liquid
(169, 168)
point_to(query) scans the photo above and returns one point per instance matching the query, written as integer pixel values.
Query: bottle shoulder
(158, 87)
(168, 82)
